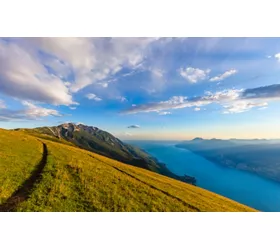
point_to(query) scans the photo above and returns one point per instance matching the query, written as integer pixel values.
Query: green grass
(74, 179)
(100, 142)
(19, 154)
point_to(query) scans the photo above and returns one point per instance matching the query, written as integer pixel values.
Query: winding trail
(27, 186)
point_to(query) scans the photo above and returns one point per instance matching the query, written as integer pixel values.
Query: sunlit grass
(19, 154)
(78, 180)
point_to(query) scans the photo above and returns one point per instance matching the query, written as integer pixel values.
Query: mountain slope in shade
(41, 175)
(104, 143)
(258, 156)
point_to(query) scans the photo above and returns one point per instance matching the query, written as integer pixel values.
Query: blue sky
(144, 88)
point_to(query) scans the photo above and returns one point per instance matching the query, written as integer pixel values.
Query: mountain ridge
(102, 142)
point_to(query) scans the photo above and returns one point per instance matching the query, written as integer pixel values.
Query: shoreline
(185, 178)
(228, 166)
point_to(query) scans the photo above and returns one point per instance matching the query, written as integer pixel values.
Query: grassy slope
(18, 157)
(78, 180)
(120, 151)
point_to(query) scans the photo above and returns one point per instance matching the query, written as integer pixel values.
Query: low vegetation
(104, 143)
(74, 179)
(19, 155)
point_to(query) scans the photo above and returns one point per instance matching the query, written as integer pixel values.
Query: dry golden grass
(19, 154)
(78, 180)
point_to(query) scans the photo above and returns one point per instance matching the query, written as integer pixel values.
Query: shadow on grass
(26, 188)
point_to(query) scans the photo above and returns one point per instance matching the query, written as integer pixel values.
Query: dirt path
(26, 188)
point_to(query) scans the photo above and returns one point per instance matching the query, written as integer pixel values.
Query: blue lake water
(242, 186)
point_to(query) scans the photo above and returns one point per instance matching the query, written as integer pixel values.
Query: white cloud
(23, 76)
(243, 106)
(95, 59)
(34, 111)
(224, 95)
(233, 100)
(2, 104)
(30, 112)
(50, 70)
(223, 76)
(73, 108)
(129, 74)
(164, 113)
(193, 75)
(94, 97)
(277, 56)
(178, 102)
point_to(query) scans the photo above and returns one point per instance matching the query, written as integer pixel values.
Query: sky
(144, 88)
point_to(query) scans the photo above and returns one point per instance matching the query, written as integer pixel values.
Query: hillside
(42, 175)
(104, 143)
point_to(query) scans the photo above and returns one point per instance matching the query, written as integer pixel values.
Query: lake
(242, 186)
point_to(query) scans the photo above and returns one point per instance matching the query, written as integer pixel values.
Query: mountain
(197, 139)
(104, 143)
(259, 156)
(38, 174)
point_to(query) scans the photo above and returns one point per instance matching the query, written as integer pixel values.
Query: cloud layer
(29, 112)
(232, 100)
(264, 92)
(23, 76)
(62, 71)
(51, 70)
(243, 106)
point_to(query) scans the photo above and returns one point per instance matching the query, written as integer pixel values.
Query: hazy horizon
(142, 138)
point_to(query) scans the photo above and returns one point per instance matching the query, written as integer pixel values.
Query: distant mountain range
(104, 143)
(259, 156)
